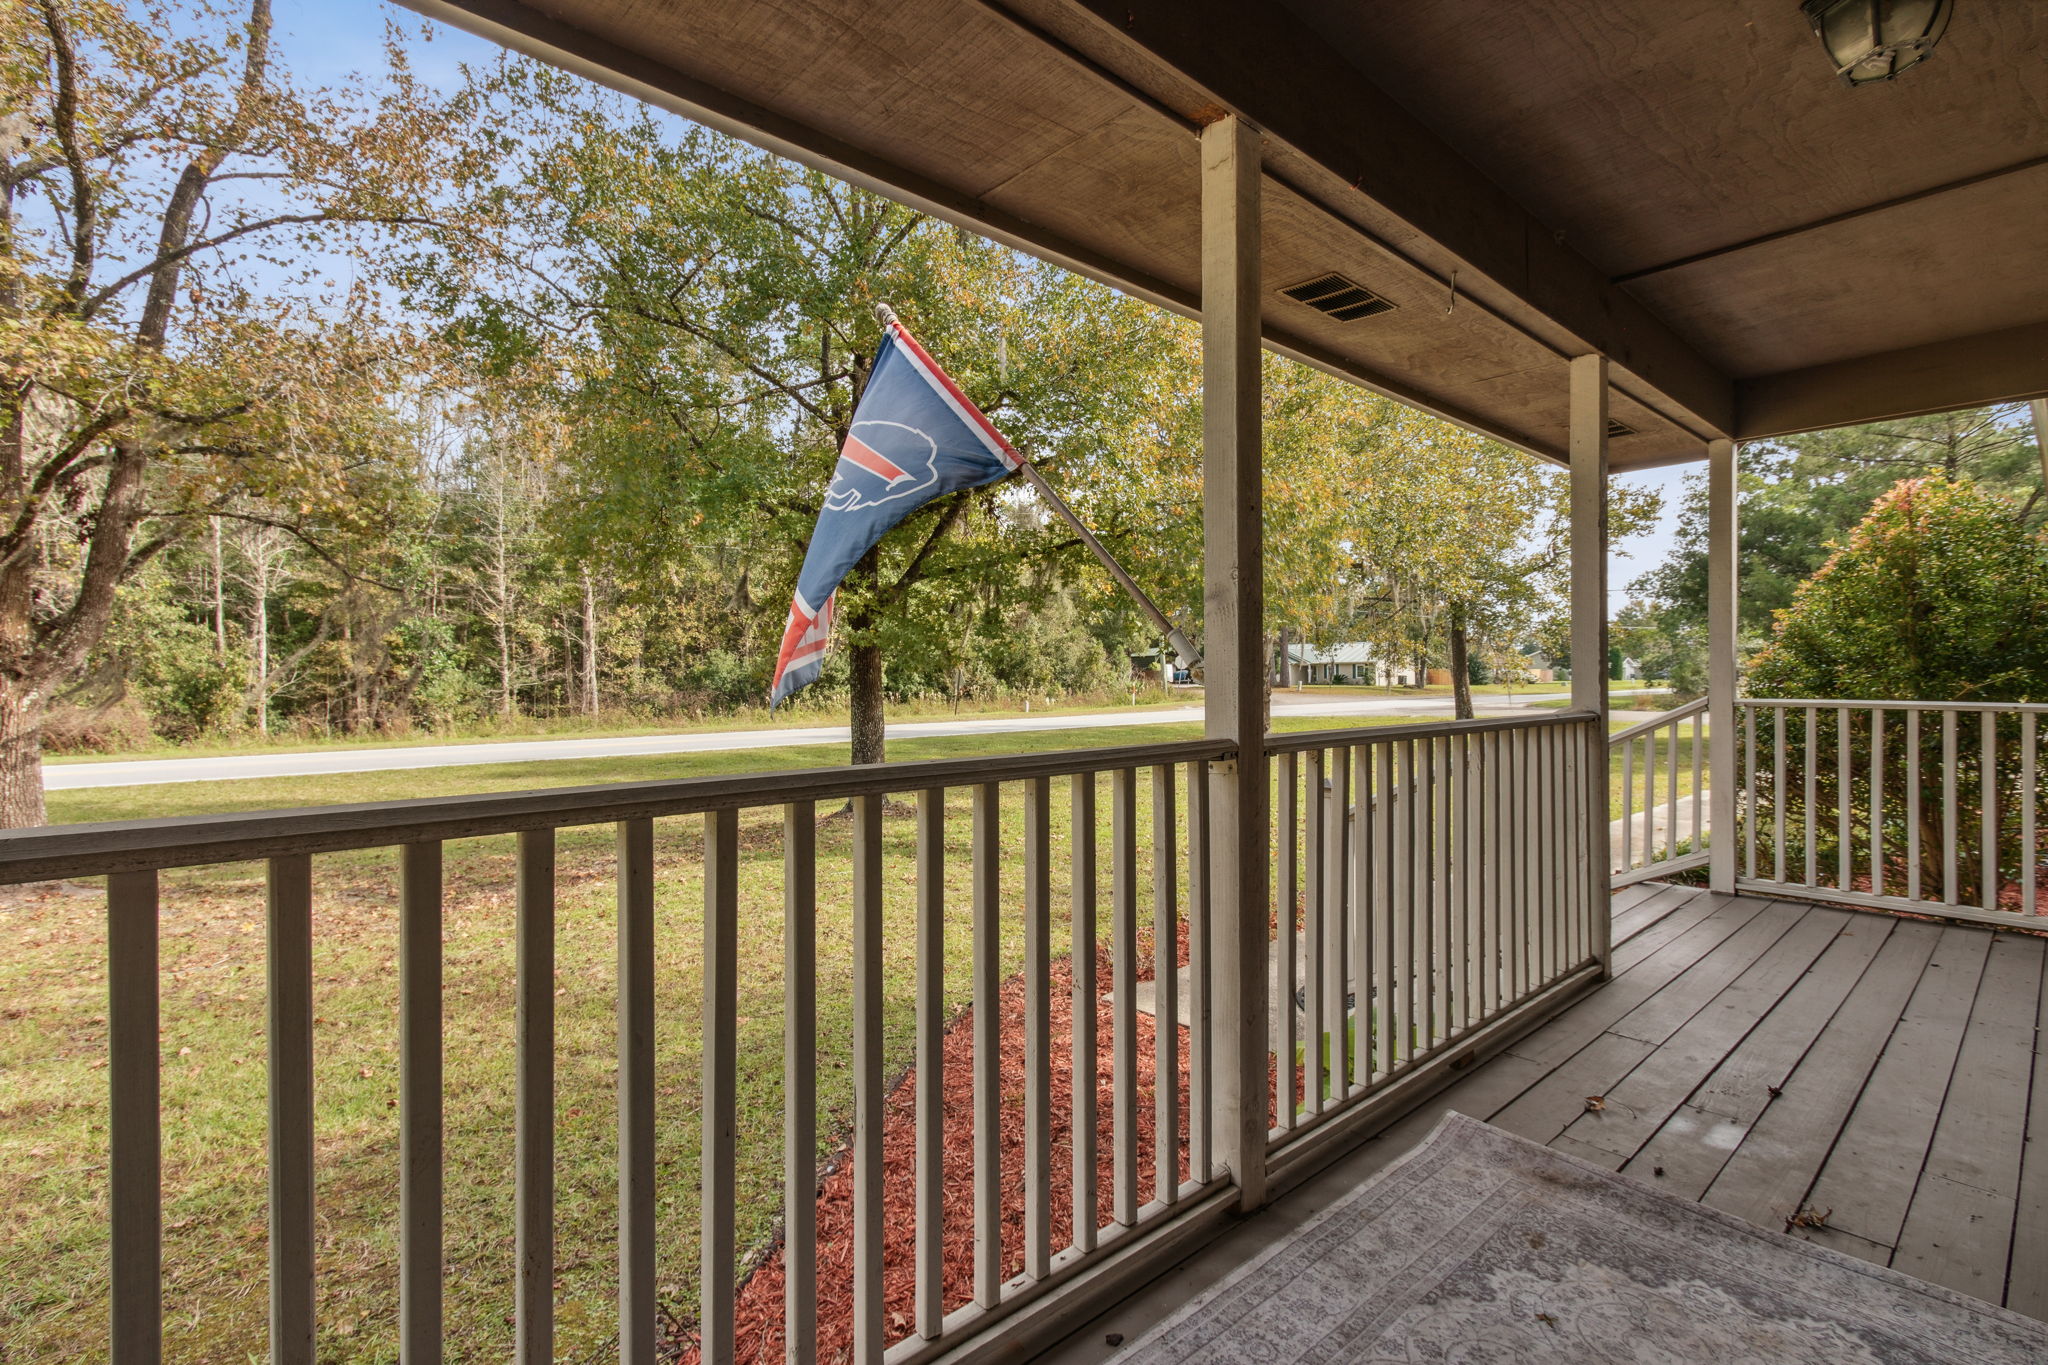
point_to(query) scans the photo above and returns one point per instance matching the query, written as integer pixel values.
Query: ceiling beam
(1966, 372)
(1208, 57)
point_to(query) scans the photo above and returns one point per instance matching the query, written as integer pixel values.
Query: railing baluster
(533, 1140)
(1546, 873)
(1336, 947)
(1387, 1013)
(1749, 792)
(1844, 776)
(1359, 915)
(1913, 803)
(1988, 796)
(1199, 1161)
(1951, 888)
(291, 1108)
(1877, 719)
(931, 1061)
(1123, 987)
(720, 1085)
(1037, 1027)
(1087, 1216)
(1281, 1007)
(1401, 857)
(1809, 759)
(800, 1081)
(419, 1103)
(1448, 840)
(134, 1120)
(1778, 793)
(1523, 805)
(1432, 816)
(1671, 788)
(2030, 800)
(988, 1046)
(870, 1096)
(637, 1310)
(1700, 831)
(1628, 805)
(1500, 840)
(1165, 990)
(1315, 888)
(1469, 881)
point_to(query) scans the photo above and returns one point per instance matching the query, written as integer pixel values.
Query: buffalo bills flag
(914, 437)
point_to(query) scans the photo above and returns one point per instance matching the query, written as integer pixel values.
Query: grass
(53, 1038)
(795, 716)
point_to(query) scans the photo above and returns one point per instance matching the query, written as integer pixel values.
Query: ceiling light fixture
(1869, 41)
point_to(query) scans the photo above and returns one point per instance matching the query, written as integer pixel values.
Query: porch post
(1234, 610)
(1722, 580)
(1588, 451)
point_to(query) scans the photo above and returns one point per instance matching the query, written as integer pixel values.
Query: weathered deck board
(1774, 1055)
(1769, 1173)
(2027, 1282)
(1870, 1175)
(1696, 1141)
(1636, 1108)
(1593, 1016)
(1958, 1229)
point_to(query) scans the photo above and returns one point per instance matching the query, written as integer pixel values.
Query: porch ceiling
(1681, 186)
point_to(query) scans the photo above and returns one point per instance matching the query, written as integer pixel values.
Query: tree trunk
(868, 724)
(21, 756)
(220, 598)
(1461, 669)
(259, 627)
(589, 644)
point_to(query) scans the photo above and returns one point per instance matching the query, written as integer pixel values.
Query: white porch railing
(1439, 886)
(1932, 807)
(1429, 881)
(1661, 776)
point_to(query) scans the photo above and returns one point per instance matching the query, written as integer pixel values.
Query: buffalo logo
(882, 461)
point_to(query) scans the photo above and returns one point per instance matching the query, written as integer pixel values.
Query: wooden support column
(1234, 611)
(1722, 580)
(1589, 620)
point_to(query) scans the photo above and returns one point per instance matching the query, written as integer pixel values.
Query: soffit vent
(1342, 298)
(1618, 428)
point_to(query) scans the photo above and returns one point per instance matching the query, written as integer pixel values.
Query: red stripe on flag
(873, 461)
(998, 444)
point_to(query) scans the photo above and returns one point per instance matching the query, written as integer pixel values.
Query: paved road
(149, 771)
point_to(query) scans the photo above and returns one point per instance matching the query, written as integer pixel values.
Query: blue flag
(914, 437)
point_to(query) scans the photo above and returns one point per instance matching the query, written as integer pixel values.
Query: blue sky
(326, 43)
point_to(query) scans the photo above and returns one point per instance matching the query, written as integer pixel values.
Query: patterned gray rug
(1481, 1248)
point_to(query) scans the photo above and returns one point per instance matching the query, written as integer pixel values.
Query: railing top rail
(1830, 703)
(1657, 722)
(196, 840)
(1300, 741)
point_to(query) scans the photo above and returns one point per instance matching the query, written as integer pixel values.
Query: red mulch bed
(759, 1311)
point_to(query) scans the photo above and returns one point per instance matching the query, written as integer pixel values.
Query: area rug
(1481, 1248)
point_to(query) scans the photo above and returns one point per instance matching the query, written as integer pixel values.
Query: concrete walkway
(1653, 829)
(61, 776)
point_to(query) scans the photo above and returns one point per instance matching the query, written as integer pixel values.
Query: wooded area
(414, 406)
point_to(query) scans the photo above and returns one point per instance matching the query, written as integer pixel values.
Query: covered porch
(1587, 247)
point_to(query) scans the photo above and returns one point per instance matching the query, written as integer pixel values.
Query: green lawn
(53, 1037)
(795, 716)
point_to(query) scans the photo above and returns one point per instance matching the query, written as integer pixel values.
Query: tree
(1941, 594)
(147, 376)
(709, 310)
(1799, 494)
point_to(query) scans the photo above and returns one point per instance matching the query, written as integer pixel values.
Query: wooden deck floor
(1767, 1057)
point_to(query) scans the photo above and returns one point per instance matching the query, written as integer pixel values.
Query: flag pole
(1180, 642)
(1174, 637)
